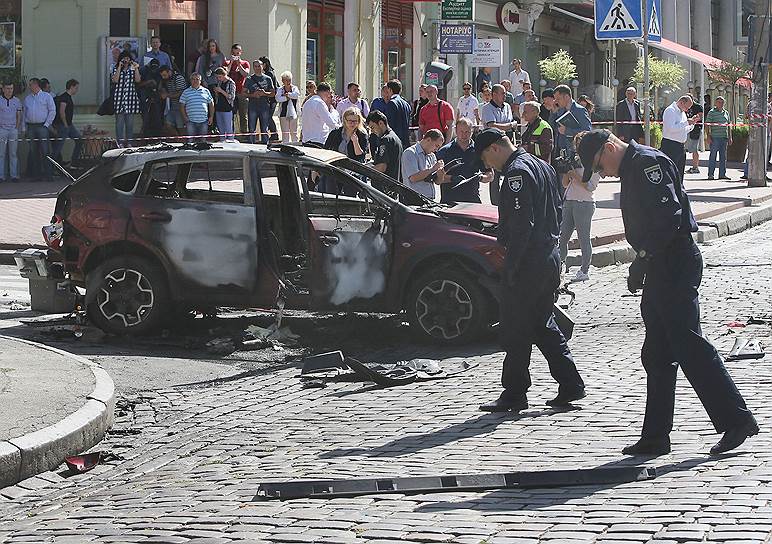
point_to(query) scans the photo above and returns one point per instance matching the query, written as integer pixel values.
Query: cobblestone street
(194, 456)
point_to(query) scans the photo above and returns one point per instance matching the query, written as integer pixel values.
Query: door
(350, 242)
(193, 212)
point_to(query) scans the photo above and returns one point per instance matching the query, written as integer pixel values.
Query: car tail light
(52, 233)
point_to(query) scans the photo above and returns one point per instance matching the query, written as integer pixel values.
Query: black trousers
(528, 318)
(671, 313)
(677, 153)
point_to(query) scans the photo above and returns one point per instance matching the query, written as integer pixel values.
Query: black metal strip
(464, 482)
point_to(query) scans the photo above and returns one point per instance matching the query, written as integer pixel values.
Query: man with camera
(529, 216)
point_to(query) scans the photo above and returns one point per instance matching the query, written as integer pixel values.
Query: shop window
(324, 60)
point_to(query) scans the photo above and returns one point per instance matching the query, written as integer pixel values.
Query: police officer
(529, 226)
(668, 267)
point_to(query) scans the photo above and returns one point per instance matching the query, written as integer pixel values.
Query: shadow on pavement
(407, 445)
(513, 499)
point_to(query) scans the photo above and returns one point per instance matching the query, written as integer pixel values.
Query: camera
(566, 161)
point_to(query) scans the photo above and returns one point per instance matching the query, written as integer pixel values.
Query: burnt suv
(154, 231)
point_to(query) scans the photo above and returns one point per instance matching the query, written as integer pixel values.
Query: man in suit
(628, 110)
(398, 112)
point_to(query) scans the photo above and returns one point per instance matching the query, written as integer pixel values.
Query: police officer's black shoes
(506, 403)
(565, 398)
(735, 436)
(649, 446)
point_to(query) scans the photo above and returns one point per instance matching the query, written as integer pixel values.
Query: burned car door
(194, 213)
(351, 241)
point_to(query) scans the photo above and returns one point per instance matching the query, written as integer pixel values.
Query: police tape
(167, 138)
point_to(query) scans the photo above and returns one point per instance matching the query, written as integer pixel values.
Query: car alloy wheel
(444, 309)
(126, 295)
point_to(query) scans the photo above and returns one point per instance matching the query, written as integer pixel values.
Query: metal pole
(646, 82)
(757, 157)
(703, 91)
(614, 78)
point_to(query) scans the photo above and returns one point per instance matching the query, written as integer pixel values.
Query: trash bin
(48, 293)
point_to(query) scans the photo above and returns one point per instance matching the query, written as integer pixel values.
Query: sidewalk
(54, 403)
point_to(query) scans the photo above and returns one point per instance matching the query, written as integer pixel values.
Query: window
(332, 193)
(127, 182)
(324, 55)
(211, 181)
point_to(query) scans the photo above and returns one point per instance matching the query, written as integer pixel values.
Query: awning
(709, 62)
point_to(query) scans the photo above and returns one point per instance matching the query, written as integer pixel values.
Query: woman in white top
(287, 96)
(578, 209)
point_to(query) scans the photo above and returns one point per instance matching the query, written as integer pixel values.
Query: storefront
(397, 42)
(182, 25)
(324, 53)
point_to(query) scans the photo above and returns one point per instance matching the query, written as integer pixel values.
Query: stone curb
(716, 227)
(45, 449)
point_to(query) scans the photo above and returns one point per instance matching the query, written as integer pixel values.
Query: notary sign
(457, 10)
(457, 39)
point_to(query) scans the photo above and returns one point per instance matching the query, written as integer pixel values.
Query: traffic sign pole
(646, 83)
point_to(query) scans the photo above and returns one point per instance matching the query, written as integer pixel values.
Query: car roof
(137, 156)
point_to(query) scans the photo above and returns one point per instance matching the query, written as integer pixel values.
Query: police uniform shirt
(655, 207)
(389, 152)
(470, 191)
(529, 209)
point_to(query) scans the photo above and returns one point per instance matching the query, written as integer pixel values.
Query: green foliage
(656, 135)
(560, 67)
(740, 132)
(729, 72)
(662, 73)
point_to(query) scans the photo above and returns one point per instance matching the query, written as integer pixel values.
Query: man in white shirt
(419, 164)
(468, 105)
(675, 129)
(319, 118)
(354, 99)
(518, 76)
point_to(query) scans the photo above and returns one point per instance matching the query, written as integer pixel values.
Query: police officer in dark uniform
(529, 227)
(658, 225)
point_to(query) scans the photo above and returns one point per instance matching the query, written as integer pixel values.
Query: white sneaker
(580, 276)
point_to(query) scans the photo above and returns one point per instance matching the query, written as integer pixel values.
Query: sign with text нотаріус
(457, 39)
(457, 10)
(618, 19)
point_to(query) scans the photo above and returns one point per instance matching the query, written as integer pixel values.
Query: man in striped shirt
(197, 107)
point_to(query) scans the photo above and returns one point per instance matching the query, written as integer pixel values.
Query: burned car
(153, 231)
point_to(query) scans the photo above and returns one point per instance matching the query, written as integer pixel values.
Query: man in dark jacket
(398, 112)
(629, 110)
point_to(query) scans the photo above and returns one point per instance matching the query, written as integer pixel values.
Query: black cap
(591, 143)
(487, 137)
(164, 67)
(548, 92)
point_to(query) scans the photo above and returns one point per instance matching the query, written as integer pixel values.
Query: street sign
(457, 10)
(618, 19)
(654, 17)
(487, 53)
(457, 39)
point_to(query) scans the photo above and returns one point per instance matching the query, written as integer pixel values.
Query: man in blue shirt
(462, 147)
(398, 112)
(154, 53)
(39, 114)
(565, 135)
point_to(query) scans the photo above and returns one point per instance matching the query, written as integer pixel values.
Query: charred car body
(154, 230)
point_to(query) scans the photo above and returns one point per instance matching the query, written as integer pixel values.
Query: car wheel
(447, 306)
(129, 296)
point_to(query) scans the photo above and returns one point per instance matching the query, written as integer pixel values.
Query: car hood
(479, 212)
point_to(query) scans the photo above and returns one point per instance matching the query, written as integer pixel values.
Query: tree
(559, 68)
(730, 72)
(662, 74)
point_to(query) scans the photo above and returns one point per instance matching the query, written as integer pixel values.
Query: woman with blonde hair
(349, 139)
(287, 96)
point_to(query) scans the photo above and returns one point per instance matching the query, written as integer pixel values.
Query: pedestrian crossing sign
(618, 19)
(654, 17)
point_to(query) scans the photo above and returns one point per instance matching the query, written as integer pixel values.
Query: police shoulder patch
(515, 183)
(381, 150)
(653, 174)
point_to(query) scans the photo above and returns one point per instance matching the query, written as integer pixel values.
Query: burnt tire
(447, 306)
(127, 296)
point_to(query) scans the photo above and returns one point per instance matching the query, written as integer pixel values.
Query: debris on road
(78, 464)
(745, 348)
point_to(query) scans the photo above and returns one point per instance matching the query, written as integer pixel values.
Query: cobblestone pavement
(192, 468)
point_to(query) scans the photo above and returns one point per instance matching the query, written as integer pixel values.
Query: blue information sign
(618, 19)
(457, 39)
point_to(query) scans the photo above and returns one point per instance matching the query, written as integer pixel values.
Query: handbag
(106, 107)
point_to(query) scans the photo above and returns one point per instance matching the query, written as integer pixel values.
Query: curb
(716, 227)
(45, 449)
